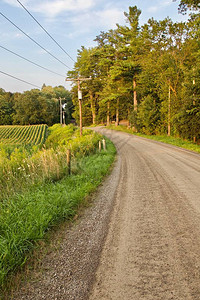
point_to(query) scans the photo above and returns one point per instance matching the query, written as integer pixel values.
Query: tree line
(35, 106)
(149, 75)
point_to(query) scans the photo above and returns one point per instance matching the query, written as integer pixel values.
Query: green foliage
(191, 4)
(147, 117)
(22, 167)
(26, 217)
(6, 111)
(69, 137)
(35, 106)
(144, 74)
(187, 122)
(59, 135)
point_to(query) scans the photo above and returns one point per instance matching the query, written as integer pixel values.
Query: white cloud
(153, 9)
(93, 20)
(54, 8)
(15, 3)
(7, 36)
(109, 17)
(160, 5)
(11, 2)
(19, 35)
(87, 12)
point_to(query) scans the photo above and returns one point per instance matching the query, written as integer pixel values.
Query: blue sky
(72, 23)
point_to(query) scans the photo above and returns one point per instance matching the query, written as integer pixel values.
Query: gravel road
(152, 250)
(140, 240)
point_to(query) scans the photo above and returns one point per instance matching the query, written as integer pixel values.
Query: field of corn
(37, 192)
(30, 134)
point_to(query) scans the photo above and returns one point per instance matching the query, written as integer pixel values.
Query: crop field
(28, 134)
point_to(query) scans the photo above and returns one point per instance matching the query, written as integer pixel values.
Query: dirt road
(152, 250)
(141, 237)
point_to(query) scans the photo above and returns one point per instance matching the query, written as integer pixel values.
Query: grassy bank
(22, 168)
(26, 217)
(165, 139)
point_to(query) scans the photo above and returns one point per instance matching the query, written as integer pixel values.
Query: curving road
(152, 250)
(140, 240)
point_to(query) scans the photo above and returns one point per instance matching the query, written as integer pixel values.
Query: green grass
(165, 139)
(21, 168)
(25, 218)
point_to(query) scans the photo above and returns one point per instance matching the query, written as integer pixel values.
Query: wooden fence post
(99, 146)
(69, 161)
(104, 144)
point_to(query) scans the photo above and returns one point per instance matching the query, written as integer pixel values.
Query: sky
(72, 23)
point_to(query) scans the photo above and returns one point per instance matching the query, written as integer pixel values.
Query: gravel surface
(152, 250)
(140, 240)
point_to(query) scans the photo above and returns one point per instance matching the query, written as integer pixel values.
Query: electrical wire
(33, 40)
(30, 61)
(45, 31)
(20, 79)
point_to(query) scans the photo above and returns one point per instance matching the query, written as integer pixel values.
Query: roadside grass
(25, 218)
(165, 139)
(22, 168)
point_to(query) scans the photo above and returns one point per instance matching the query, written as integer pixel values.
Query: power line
(45, 30)
(20, 79)
(31, 61)
(33, 40)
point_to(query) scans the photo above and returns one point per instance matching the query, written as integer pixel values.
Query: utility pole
(63, 117)
(61, 111)
(79, 79)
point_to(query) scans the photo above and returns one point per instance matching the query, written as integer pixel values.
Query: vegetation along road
(141, 237)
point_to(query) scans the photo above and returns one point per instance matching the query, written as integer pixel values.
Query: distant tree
(52, 95)
(6, 107)
(6, 111)
(27, 108)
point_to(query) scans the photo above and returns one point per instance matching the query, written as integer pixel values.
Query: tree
(27, 108)
(6, 112)
(144, 74)
(6, 108)
(191, 4)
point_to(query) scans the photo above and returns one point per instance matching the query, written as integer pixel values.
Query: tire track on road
(152, 248)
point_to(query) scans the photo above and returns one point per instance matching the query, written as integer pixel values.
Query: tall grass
(26, 215)
(20, 169)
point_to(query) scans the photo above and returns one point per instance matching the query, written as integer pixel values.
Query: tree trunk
(169, 113)
(108, 114)
(117, 113)
(134, 95)
(93, 108)
(128, 117)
